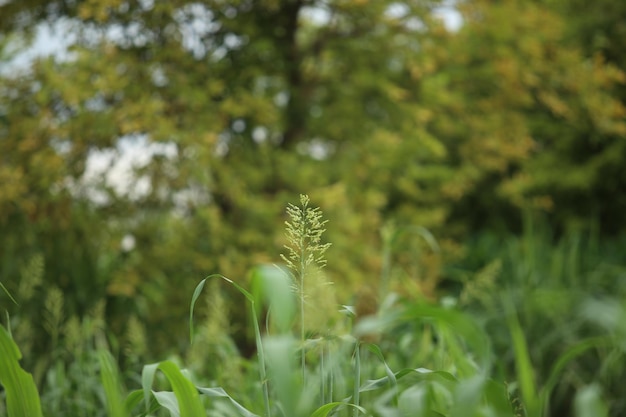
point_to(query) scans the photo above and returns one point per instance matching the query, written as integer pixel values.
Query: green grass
(534, 330)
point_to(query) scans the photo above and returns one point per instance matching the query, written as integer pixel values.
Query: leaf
(198, 291)
(257, 333)
(558, 366)
(276, 287)
(186, 393)
(133, 399)
(167, 400)
(111, 384)
(194, 298)
(461, 325)
(379, 354)
(279, 354)
(467, 396)
(325, 409)
(419, 374)
(21, 393)
(220, 393)
(523, 364)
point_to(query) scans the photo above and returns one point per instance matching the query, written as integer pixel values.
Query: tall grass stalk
(304, 251)
(357, 379)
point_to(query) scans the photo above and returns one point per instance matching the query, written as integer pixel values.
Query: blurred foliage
(385, 117)
(567, 292)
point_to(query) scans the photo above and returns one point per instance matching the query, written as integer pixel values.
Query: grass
(486, 351)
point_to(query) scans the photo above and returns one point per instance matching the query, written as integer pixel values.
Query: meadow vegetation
(546, 341)
(472, 175)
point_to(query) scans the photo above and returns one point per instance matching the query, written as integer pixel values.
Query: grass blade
(111, 384)
(570, 354)
(194, 298)
(523, 364)
(8, 293)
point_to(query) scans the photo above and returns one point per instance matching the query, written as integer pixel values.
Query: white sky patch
(260, 134)
(452, 18)
(317, 148)
(128, 243)
(116, 167)
(316, 15)
(49, 39)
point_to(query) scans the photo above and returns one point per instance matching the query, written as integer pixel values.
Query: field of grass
(534, 327)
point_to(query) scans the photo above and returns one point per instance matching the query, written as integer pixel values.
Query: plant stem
(261, 357)
(357, 379)
(302, 273)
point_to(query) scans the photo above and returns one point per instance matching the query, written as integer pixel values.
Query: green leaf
(460, 324)
(194, 298)
(413, 375)
(219, 392)
(413, 401)
(198, 290)
(257, 333)
(111, 384)
(467, 396)
(21, 392)
(167, 400)
(281, 367)
(186, 393)
(133, 399)
(325, 409)
(390, 375)
(276, 288)
(523, 365)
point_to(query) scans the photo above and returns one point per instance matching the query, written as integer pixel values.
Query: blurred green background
(162, 141)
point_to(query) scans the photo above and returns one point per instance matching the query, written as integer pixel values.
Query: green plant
(411, 358)
(22, 398)
(542, 298)
(305, 255)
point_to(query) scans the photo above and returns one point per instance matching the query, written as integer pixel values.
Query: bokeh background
(145, 145)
